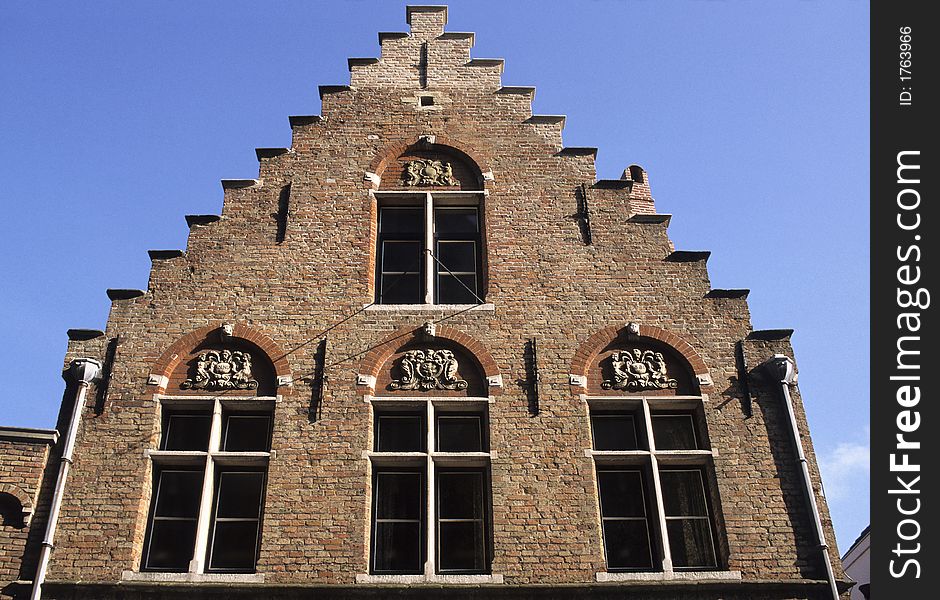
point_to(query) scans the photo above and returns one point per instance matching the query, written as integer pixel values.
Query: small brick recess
(583, 267)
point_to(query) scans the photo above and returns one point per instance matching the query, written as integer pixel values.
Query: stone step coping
(659, 218)
(612, 184)
(523, 90)
(193, 220)
(770, 335)
(124, 294)
(301, 120)
(728, 293)
(360, 62)
(332, 89)
(164, 254)
(546, 120)
(81, 335)
(684, 256)
(270, 152)
(577, 151)
(237, 184)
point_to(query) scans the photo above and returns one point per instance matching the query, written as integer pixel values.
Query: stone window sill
(674, 576)
(193, 577)
(429, 307)
(435, 579)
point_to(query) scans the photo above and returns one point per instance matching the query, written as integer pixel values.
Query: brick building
(425, 352)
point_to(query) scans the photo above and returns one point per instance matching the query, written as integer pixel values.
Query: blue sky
(118, 118)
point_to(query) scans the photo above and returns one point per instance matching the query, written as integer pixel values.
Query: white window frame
(429, 201)
(655, 460)
(211, 459)
(430, 460)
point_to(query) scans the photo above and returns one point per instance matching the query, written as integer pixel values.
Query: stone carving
(222, 370)
(636, 370)
(428, 370)
(429, 172)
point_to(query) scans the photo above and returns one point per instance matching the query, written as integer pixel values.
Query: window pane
(247, 433)
(459, 433)
(178, 494)
(460, 495)
(614, 432)
(457, 257)
(456, 220)
(674, 432)
(186, 432)
(402, 220)
(399, 433)
(234, 546)
(401, 289)
(398, 496)
(452, 291)
(621, 494)
(683, 493)
(627, 544)
(691, 542)
(397, 548)
(461, 546)
(171, 545)
(401, 257)
(240, 494)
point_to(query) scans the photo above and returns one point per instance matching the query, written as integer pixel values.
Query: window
(208, 487)
(429, 249)
(430, 489)
(652, 484)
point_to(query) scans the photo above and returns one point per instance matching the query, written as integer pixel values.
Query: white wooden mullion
(198, 563)
(430, 565)
(657, 491)
(429, 248)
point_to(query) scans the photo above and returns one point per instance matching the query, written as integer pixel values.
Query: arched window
(11, 511)
(656, 489)
(430, 243)
(210, 465)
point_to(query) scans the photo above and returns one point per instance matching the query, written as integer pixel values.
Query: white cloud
(846, 470)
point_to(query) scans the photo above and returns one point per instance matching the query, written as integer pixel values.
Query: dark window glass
(399, 433)
(456, 220)
(398, 522)
(400, 257)
(173, 520)
(674, 432)
(614, 432)
(459, 433)
(625, 521)
(687, 522)
(234, 545)
(401, 289)
(247, 433)
(404, 220)
(186, 431)
(457, 289)
(461, 521)
(457, 235)
(457, 257)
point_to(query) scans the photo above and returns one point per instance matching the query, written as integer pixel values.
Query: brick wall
(23, 458)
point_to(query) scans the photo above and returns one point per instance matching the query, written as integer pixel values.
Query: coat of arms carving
(426, 370)
(636, 370)
(429, 172)
(221, 370)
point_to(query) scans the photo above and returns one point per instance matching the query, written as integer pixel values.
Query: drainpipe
(81, 371)
(781, 368)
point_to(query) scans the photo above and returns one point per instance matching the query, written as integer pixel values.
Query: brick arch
(463, 150)
(593, 345)
(376, 357)
(20, 495)
(169, 360)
